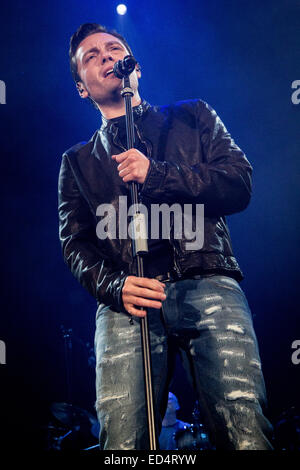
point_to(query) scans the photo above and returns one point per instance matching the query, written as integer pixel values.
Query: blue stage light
(121, 9)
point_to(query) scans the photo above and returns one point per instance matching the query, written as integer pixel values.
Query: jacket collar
(138, 111)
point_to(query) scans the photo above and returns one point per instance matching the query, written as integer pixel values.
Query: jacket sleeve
(221, 180)
(80, 246)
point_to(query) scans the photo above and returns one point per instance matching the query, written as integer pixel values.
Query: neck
(116, 108)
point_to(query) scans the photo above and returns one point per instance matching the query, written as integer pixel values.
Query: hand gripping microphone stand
(122, 69)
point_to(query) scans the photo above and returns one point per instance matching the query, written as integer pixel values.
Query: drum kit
(75, 428)
(194, 436)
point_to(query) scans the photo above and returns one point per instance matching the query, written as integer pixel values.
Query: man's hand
(137, 291)
(133, 165)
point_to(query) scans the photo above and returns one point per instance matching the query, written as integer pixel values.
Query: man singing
(183, 155)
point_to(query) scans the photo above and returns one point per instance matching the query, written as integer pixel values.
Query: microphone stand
(139, 247)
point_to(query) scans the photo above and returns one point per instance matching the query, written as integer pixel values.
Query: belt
(173, 277)
(167, 277)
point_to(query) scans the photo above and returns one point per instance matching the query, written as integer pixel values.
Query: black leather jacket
(193, 159)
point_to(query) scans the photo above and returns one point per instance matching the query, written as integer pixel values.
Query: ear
(138, 70)
(83, 93)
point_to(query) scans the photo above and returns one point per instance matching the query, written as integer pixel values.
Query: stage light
(121, 9)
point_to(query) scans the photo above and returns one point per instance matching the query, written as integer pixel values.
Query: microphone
(124, 67)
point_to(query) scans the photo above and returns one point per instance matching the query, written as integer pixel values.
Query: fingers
(120, 157)
(133, 153)
(134, 311)
(133, 165)
(142, 302)
(142, 292)
(148, 293)
(144, 282)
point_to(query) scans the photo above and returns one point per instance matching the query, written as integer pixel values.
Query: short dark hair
(84, 31)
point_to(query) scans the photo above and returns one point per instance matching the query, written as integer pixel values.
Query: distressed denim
(209, 322)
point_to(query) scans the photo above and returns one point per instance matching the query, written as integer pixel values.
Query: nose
(106, 56)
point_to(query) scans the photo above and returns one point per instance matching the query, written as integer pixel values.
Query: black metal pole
(140, 247)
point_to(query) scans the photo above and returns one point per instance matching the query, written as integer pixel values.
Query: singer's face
(96, 56)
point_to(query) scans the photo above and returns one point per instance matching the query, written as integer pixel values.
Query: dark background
(241, 57)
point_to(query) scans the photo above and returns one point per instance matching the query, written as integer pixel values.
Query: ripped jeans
(209, 322)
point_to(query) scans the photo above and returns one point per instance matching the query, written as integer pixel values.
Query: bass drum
(192, 438)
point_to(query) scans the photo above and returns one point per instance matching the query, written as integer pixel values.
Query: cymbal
(72, 415)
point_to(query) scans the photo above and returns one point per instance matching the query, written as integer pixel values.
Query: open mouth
(109, 72)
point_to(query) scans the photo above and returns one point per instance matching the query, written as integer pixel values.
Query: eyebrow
(107, 44)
